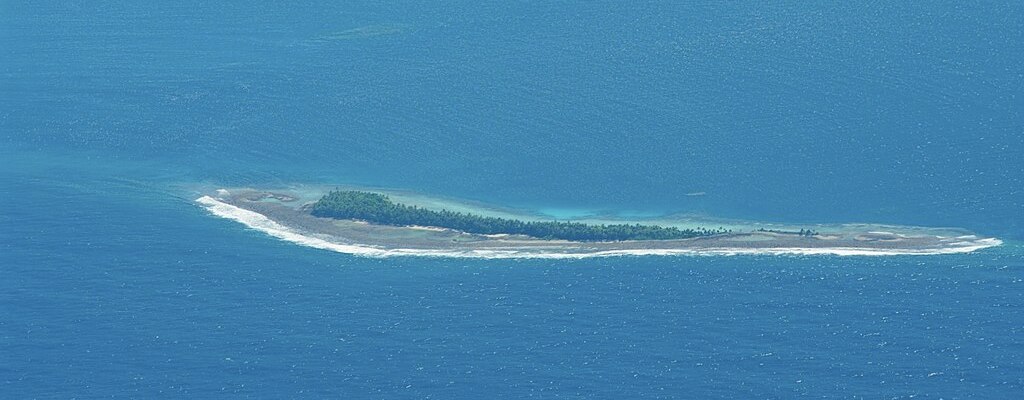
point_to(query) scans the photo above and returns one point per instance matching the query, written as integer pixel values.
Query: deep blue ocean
(114, 283)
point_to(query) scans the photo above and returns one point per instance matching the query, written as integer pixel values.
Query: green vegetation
(802, 232)
(379, 209)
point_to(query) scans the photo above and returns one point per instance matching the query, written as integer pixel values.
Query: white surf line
(263, 224)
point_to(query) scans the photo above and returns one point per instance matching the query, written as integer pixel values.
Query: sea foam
(263, 224)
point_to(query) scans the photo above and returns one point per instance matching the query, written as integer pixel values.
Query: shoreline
(281, 216)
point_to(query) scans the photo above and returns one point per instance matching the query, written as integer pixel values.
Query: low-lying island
(371, 223)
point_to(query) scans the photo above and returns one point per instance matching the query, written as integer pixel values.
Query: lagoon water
(116, 284)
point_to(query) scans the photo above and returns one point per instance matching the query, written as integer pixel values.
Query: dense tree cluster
(379, 209)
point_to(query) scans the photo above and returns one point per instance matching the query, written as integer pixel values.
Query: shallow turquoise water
(116, 285)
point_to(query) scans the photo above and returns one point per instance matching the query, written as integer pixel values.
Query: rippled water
(115, 284)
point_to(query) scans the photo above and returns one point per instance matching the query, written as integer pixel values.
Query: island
(384, 223)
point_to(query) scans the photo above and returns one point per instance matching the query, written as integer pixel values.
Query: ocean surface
(115, 283)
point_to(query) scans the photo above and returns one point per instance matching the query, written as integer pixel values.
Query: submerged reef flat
(292, 215)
